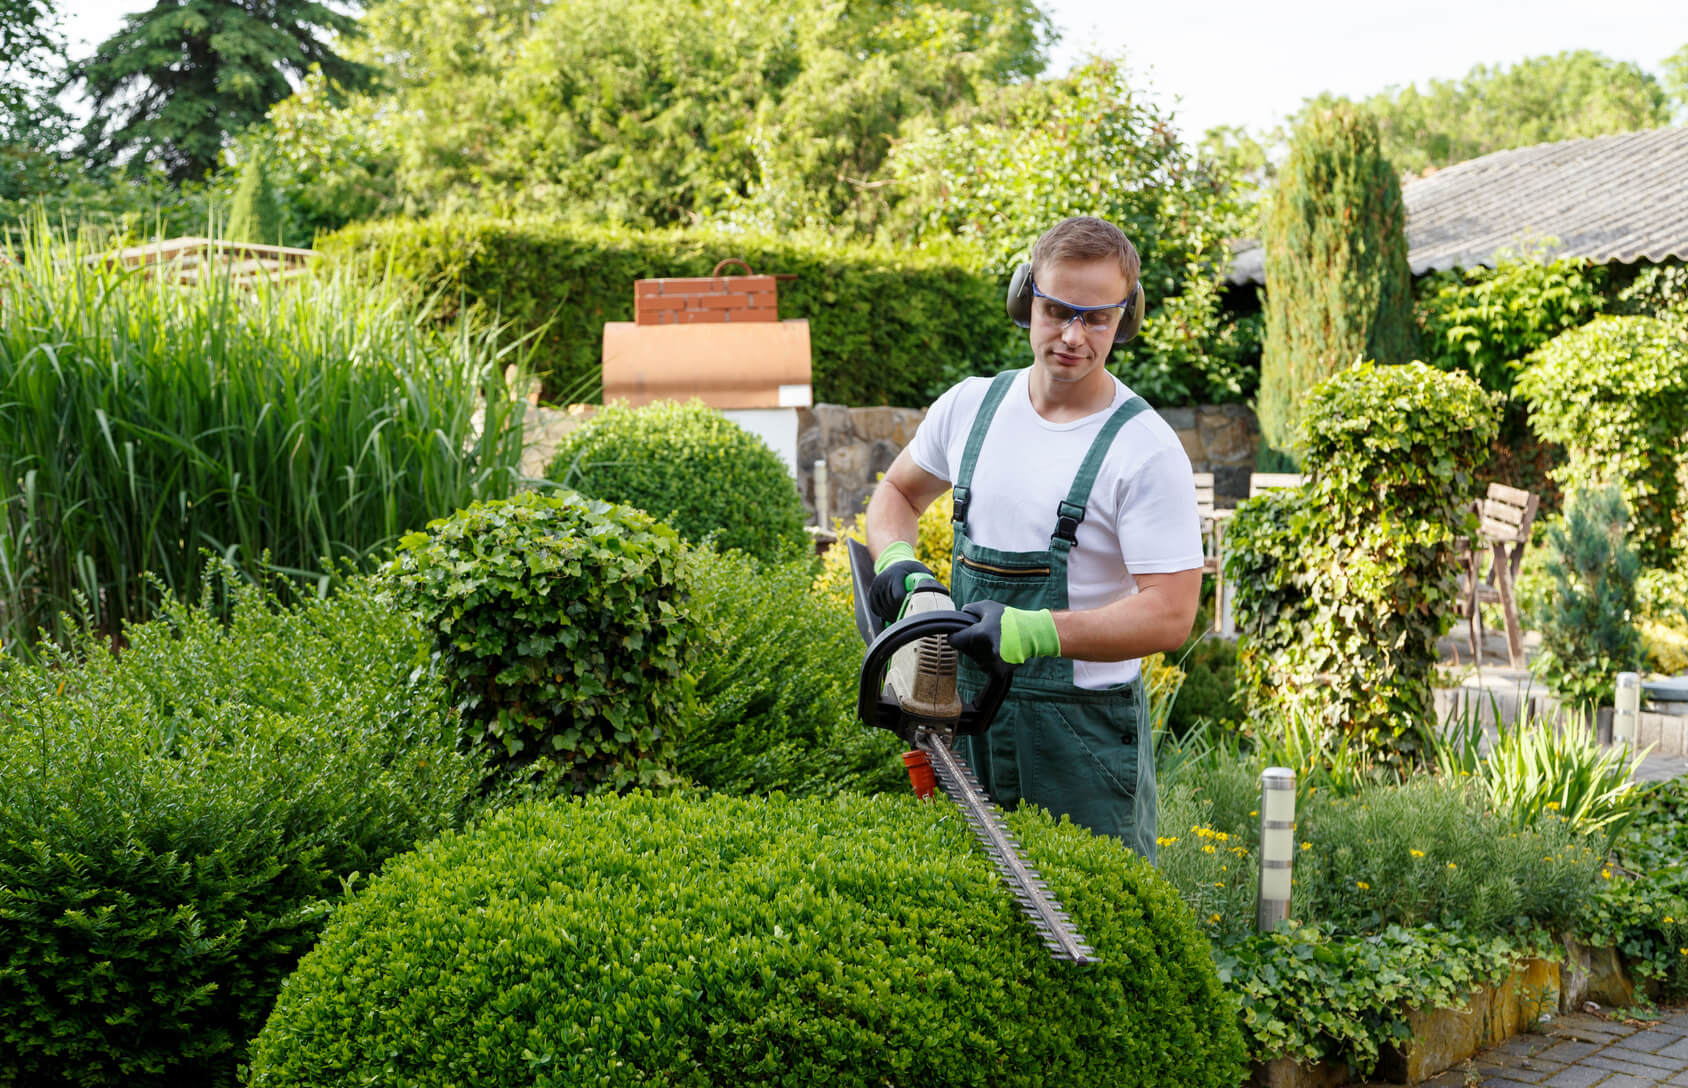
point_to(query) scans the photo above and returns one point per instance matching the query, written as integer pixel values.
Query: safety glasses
(1093, 318)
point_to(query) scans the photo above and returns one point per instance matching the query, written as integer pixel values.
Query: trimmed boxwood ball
(843, 941)
(692, 467)
(559, 623)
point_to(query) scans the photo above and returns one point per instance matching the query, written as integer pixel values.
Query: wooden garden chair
(1504, 518)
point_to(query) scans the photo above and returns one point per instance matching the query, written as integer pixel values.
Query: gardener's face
(1069, 349)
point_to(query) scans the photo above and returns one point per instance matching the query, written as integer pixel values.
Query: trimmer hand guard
(875, 706)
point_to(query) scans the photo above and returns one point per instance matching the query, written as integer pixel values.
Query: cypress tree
(1338, 287)
(255, 215)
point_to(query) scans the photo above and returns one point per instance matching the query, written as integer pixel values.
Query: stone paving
(1583, 1051)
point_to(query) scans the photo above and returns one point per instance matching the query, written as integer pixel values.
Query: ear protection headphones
(1019, 305)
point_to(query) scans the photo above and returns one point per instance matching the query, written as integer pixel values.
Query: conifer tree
(184, 74)
(1588, 636)
(255, 215)
(1338, 287)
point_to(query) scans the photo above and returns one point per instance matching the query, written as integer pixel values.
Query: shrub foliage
(692, 467)
(558, 622)
(176, 822)
(1337, 282)
(776, 686)
(852, 941)
(1342, 585)
(1614, 393)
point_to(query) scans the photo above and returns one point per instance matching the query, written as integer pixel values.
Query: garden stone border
(1444, 1037)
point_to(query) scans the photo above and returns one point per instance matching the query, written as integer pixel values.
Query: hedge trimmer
(908, 686)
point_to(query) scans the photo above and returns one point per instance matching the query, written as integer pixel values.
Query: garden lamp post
(1626, 712)
(1277, 845)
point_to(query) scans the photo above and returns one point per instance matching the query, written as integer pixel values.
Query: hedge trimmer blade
(1046, 915)
(908, 685)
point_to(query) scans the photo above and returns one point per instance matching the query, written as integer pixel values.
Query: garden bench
(1505, 516)
(1213, 529)
(1259, 482)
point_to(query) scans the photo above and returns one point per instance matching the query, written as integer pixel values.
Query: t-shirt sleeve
(931, 446)
(1159, 528)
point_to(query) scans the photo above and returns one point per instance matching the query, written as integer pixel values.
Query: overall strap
(1070, 511)
(976, 441)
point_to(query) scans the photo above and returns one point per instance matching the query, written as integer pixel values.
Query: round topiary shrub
(692, 467)
(848, 941)
(559, 623)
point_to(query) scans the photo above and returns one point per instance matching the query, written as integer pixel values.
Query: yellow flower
(1307, 846)
(1553, 805)
(1416, 853)
(1208, 849)
(1669, 920)
(1254, 812)
(1362, 885)
(1218, 883)
(1605, 874)
(1213, 919)
(1451, 865)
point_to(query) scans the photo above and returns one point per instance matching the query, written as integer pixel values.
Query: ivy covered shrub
(1588, 627)
(692, 467)
(1486, 321)
(776, 685)
(847, 941)
(176, 822)
(1614, 393)
(559, 624)
(1342, 585)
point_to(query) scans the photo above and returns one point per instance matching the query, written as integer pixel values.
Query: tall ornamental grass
(143, 421)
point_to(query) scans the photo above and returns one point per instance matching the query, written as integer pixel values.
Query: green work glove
(896, 573)
(1012, 635)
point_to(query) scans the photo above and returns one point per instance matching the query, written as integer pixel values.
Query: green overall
(1085, 753)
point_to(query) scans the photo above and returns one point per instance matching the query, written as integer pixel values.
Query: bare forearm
(1156, 619)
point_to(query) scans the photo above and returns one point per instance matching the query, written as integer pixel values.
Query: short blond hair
(1086, 238)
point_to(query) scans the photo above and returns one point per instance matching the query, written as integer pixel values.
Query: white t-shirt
(1140, 515)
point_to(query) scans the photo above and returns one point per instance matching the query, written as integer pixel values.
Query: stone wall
(858, 444)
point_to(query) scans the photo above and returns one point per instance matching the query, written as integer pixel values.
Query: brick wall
(705, 300)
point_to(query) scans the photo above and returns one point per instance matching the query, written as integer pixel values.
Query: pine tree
(255, 215)
(181, 76)
(1587, 633)
(1337, 283)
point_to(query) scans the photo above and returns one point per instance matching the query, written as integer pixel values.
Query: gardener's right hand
(896, 572)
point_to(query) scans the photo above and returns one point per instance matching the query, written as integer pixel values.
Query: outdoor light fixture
(1627, 709)
(1277, 845)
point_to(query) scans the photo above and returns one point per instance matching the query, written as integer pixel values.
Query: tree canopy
(180, 77)
(1563, 96)
(627, 111)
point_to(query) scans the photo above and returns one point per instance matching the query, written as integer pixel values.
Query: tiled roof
(1617, 198)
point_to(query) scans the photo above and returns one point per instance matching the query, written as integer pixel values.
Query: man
(1077, 542)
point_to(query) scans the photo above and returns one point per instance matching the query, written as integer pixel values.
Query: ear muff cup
(1019, 305)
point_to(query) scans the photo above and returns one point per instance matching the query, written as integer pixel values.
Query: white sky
(1251, 64)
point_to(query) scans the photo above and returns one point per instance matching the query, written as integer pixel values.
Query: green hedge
(848, 941)
(776, 685)
(886, 326)
(177, 822)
